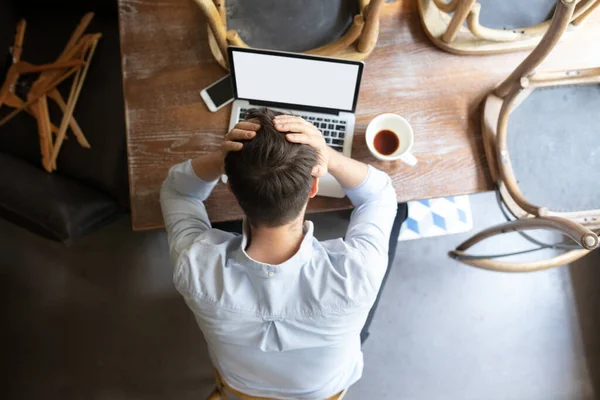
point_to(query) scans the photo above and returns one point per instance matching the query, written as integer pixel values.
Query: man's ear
(314, 188)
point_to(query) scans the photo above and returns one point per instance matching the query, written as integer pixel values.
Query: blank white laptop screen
(295, 81)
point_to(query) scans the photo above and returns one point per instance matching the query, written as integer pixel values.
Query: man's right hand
(244, 130)
(304, 132)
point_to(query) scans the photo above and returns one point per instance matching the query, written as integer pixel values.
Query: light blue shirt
(290, 330)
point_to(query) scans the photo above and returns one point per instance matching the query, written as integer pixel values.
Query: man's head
(271, 177)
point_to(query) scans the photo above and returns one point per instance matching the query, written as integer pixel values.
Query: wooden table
(166, 62)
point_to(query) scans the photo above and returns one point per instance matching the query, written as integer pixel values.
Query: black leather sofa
(90, 186)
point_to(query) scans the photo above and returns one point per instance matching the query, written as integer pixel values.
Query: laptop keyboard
(333, 129)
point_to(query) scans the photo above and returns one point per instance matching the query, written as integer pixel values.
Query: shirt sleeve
(372, 219)
(181, 198)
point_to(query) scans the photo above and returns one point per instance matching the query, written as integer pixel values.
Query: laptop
(322, 90)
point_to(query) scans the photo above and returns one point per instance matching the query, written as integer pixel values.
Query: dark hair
(270, 177)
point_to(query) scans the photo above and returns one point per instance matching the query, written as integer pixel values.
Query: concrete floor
(101, 320)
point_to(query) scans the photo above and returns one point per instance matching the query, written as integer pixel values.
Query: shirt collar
(303, 254)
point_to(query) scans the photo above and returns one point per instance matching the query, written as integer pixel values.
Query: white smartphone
(219, 94)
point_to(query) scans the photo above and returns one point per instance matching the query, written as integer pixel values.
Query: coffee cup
(389, 138)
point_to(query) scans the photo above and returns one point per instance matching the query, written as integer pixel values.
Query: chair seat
(554, 147)
(512, 14)
(290, 25)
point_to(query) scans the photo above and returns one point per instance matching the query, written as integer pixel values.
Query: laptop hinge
(295, 107)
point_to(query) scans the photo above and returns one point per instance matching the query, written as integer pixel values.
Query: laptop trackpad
(329, 187)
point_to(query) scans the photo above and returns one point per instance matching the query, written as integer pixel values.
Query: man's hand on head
(302, 131)
(244, 130)
(210, 166)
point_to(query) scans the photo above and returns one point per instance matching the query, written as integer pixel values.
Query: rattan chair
(454, 26)
(356, 43)
(581, 226)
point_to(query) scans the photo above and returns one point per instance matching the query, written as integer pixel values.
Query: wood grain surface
(167, 61)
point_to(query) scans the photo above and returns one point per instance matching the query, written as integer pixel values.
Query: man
(282, 312)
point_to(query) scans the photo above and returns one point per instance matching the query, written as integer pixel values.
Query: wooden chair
(582, 226)
(73, 62)
(356, 43)
(220, 392)
(444, 22)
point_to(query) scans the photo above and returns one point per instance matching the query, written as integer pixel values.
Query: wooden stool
(356, 43)
(220, 392)
(73, 62)
(444, 21)
(582, 226)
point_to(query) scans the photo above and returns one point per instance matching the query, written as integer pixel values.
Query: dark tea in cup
(386, 142)
(390, 137)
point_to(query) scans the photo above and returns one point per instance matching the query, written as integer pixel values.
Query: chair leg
(77, 33)
(56, 96)
(216, 25)
(44, 135)
(461, 12)
(370, 32)
(72, 101)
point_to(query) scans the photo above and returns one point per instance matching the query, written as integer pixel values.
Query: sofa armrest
(52, 205)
